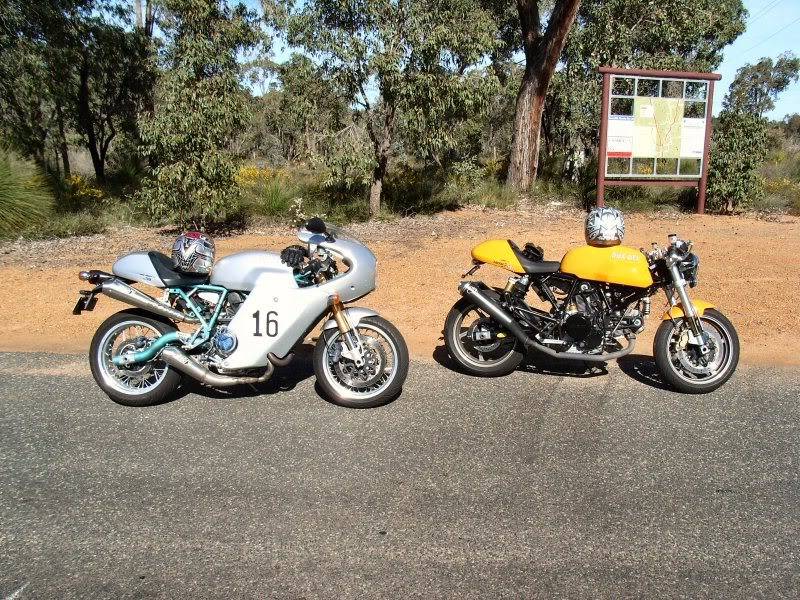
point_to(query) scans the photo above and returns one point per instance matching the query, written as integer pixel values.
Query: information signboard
(655, 129)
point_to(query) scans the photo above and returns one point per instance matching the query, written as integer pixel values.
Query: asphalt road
(534, 485)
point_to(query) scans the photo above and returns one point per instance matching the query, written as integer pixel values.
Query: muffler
(118, 290)
(477, 295)
(177, 358)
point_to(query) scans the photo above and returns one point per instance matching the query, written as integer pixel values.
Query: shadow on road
(538, 364)
(640, 367)
(643, 369)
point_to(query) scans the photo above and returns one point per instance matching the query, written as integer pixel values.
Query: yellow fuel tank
(615, 264)
(499, 254)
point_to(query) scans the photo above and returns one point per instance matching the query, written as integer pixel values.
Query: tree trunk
(62, 141)
(137, 5)
(382, 143)
(86, 123)
(150, 18)
(541, 57)
(378, 175)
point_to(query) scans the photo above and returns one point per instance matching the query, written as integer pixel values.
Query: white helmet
(604, 227)
(193, 252)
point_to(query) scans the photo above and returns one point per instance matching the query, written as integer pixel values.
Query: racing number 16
(271, 324)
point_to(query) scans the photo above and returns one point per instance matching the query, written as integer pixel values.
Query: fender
(676, 312)
(354, 316)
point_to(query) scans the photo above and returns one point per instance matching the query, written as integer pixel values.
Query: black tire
(461, 357)
(672, 373)
(337, 393)
(160, 391)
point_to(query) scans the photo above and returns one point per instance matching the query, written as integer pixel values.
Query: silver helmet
(193, 252)
(604, 227)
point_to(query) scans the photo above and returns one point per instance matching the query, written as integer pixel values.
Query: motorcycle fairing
(676, 312)
(276, 315)
(498, 253)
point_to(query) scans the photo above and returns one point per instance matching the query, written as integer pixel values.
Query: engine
(584, 326)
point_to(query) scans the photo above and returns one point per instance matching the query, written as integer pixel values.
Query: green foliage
(416, 55)
(200, 107)
(756, 87)
(70, 66)
(24, 197)
(739, 146)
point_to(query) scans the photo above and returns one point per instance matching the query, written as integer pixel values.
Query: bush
(24, 197)
(738, 149)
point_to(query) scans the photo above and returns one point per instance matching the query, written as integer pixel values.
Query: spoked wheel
(684, 367)
(377, 381)
(478, 344)
(135, 385)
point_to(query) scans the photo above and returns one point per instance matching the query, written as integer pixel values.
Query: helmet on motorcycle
(193, 252)
(604, 227)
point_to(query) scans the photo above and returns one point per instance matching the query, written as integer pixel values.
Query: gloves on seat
(294, 255)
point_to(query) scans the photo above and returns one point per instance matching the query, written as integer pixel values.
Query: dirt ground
(749, 268)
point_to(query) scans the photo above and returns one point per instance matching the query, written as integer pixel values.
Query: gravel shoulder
(748, 267)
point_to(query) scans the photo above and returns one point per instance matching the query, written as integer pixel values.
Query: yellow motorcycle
(593, 300)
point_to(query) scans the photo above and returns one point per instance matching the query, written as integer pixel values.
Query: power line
(766, 39)
(764, 11)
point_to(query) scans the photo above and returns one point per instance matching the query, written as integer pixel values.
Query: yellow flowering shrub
(251, 176)
(82, 190)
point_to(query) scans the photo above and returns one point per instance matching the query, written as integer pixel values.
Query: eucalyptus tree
(69, 65)
(200, 106)
(542, 43)
(398, 62)
(756, 86)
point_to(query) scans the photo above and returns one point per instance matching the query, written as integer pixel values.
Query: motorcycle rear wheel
(147, 384)
(679, 364)
(492, 359)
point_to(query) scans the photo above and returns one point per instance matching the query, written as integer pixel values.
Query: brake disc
(375, 361)
(689, 355)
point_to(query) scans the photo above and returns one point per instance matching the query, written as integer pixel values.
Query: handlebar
(677, 250)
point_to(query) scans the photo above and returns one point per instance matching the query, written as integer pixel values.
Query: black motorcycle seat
(535, 267)
(172, 277)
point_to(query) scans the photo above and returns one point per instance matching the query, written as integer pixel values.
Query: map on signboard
(656, 128)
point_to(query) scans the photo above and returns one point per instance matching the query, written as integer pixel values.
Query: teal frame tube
(198, 337)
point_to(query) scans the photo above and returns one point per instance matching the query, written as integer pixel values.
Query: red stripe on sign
(620, 154)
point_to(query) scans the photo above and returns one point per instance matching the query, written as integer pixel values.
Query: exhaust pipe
(476, 294)
(118, 290)
(177, 358)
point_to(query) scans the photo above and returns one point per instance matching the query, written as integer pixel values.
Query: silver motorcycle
(243, 320)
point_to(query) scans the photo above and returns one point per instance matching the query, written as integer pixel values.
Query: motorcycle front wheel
(479, 345)
(681, 363)
(378, 381)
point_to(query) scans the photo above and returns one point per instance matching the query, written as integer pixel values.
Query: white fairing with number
(278, 313)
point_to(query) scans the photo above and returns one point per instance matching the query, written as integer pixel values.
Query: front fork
(698, 336)
(352, 340)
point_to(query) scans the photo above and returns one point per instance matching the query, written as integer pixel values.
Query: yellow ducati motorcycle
(593, 304)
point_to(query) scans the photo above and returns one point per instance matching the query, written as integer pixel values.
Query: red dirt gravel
(749, 268)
